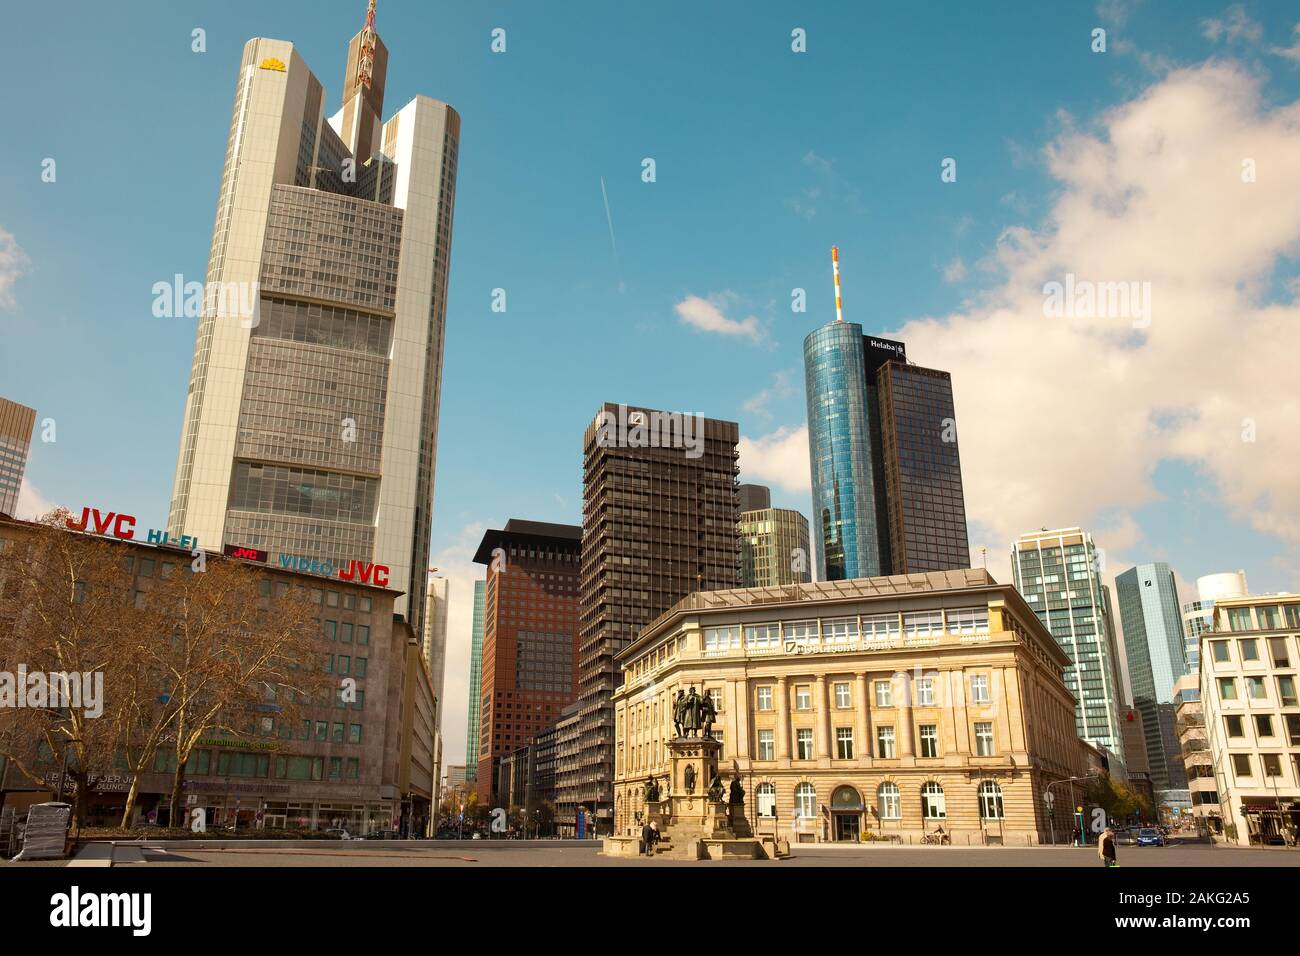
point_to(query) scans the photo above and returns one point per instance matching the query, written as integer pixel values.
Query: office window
(801, 632)
(805, 801)
(990, 801)
(889, 802)
(1278, 651)
(762, 635)
(331, 629)
(1234, 726)
(1220, 651)
(344, 664)
(844, 743)
(766, 745)
(1264, 725)
(840, 630)
(322, 729)
(1255, 685)
(1227, 688)
(1272, 764)
(919, 624)
(765, 797)
(363, 633)
(1249, 649)
(336, 734)
(984, 739)
(884, 693)
(1292, 729)
(933, 804)
(345, 632)
(331, 598)
(764, 697)
(1268, 617)
(721, 638)
(803, 697)
(364, 606)
(336, 768)
(925, 692)
(1241, 765)
(968, 620)
(929, 740)
(880, 628)
(804, 743)
(843, 696)
(885, 743)
(979, 689)
(354, 733)
(1286, 691)
(354, 768)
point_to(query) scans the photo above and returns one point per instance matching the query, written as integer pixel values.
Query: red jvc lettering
(123, 525)
(376, 574)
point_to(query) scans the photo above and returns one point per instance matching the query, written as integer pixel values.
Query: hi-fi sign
(123, 526)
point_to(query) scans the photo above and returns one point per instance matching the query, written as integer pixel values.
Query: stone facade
(865, 709)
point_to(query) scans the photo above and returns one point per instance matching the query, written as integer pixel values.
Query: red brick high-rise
(530, 637)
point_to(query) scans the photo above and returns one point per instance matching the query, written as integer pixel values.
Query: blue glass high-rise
(845, 520)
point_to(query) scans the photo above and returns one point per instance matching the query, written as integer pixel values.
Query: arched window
(933, 806)
(805, 801)
(990, 801)
(765, 795)
(890, 803)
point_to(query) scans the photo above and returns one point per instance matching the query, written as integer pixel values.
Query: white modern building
(1251, 709)
(1198, 615)
(311, 424)
(435, 633)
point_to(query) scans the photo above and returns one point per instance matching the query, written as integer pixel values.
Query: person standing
(1106, 847)
(647, 839)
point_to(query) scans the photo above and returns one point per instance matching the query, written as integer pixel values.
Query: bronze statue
(690, 778)
(691, 713)
(679, 706)
(708, 714)
(651, 789)
(737, 791)
(715, 788)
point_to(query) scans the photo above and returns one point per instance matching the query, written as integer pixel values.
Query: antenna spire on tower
(366, 59)
(835, 267)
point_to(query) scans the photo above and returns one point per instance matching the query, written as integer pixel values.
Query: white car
(339, 832)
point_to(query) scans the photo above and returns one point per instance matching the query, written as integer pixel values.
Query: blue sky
(764, 159)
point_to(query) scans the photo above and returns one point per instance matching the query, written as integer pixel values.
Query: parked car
(338, 833)
(1150, 836)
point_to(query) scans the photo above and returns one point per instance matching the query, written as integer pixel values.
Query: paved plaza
(545, 853)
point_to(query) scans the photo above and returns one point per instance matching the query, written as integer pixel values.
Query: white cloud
(1064, 420)
(455, 562)
(31, 503)
(1291, 52)
(954, 271)
(706, 315)
(782, 387)
(13, 265)
(1235, 24)
(779, 458)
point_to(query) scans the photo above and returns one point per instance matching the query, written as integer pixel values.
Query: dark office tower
(886, 475)
(530, 638)
(922, 470)
(755, 498)
(659, 511)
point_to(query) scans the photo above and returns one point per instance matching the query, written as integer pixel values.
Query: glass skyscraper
(475, 684)
(1156, 652)
(1059, 576)
(885, 467)
(311, 422)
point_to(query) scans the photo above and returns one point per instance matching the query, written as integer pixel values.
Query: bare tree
(66, 608)
(239, 662)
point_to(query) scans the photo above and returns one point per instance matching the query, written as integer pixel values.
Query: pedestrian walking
(648, 839)
(1106, 847)
(654, 836)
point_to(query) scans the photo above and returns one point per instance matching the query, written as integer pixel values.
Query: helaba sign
(362, 572)
(123, 526)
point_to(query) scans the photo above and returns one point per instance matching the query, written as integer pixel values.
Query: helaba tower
(882, 448)
(311, 424)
